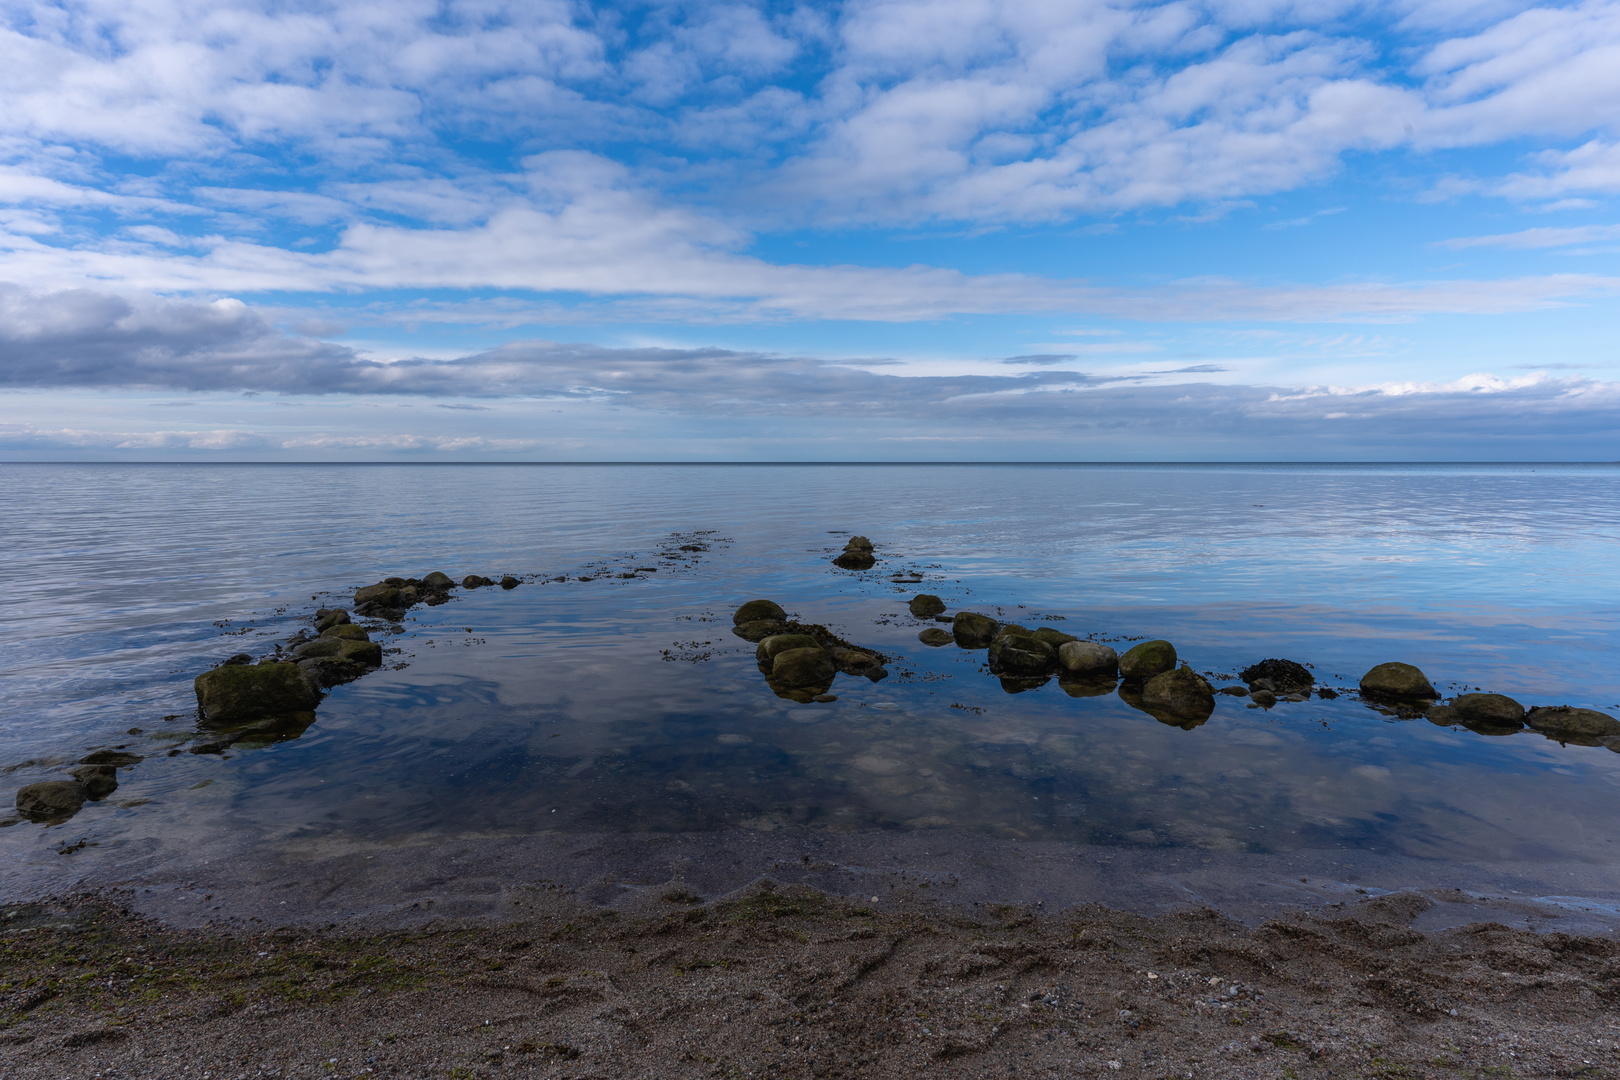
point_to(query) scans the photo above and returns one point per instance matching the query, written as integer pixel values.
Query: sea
(600, 729)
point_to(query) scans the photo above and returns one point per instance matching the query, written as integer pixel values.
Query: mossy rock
(321, 646)
(1015, 651)
(99, 781)
(368, 653)
(110, 757)
(438, 582)
(759, 611)
(972, 630)
(1397, 682)
(934, 637)
(926, 605)
(382, 595)
(1055, 638)
(329, 671)
(1489, 710)
(237, 692)
(325, 620)
(855, 560)
(1090, 660)
(509, 582)
(1147, 659)
(1182, 693)
(770, 647)
(346, 632)
(803, 668)
(759, 629)
(858, 543)
(51, 800)
(1564, 720)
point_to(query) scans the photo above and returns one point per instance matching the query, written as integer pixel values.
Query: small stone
(935, 637)
(1142, 662)
(758, 611)
(50, 800)
(1090, 659)
(925, 605)
(1234, 691)
(1396, 681)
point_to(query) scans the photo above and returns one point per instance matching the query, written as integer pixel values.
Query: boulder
(1397, 682)
(232, 694)
(858, 543)
(99, 781)
(1090, 659)
(1564, 720)
(802, 668)
(770, 647)
(934, 637)
(1278, 676)
(1182, 694)
(474, 581)
(321, 646)
(855, 560)
(368, 653)
(853, 661)
(381, 595)
(759, 629)
(110, 757)
(328, 671)
(509, 582)
(924, 605)
(346, 632)
(973, 631)
(438, 582)
(1142, 662)
(327, 618)
(1494, 710)
(1018, 652)
(759, 611)
(1055, 638)
(50, 800)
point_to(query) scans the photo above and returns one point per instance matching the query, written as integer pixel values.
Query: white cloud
(1546, 237)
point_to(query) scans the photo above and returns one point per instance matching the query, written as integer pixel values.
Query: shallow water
(626, 706)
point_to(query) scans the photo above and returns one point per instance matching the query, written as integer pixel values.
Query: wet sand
(782, 980)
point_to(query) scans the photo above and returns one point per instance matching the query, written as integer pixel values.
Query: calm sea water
(619, 705)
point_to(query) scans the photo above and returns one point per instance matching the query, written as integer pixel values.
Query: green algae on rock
(759, 611)
(1142, 662)
(236, 692)
(972, 630)
(1395, 681)
(926, 605)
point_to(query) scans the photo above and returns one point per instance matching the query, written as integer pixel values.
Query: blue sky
(876, 230)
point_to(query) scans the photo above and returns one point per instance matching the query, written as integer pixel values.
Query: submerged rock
(934, 637)
(1016, 651)
(1234, 691)
(1278, 676)
(99, 781)
(759, 611)
(759, 629)
(1263, 698)
(803, 668)
(1397, 682)
(1182, 694)
(234, 693)
(972, 630)
(110, 757)
(51, 800)
(1090, 659)
(1495, 710)
(438, 582)
(1564, 720)
(926, 605)
(855, 560)
(1142, 662)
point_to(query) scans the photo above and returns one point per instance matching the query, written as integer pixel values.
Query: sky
(1065, 230)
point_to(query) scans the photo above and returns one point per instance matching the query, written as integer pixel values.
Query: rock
(329, 671)
(1142, 662)
(770, 647)
(474, 581)
(935, 637)
(346, 632)
(1326, 693)
(1442, 716)
(1234, 691)
(509, 582)
(1564, 720)
(239, 658)
(368, 653)
(858, 543)
(759, 611)
(803, 667)
(326, 618)
(1018, 652)
(99, 781)
(321, 646)
(231, 694)
(438, 582)
(1495, 710)
(758, 630)
(50, 800)
(1055, 638)
(825, 699)
(1397, 682)
(1263, 698)
(853, 661)
(1182, 693)
(1091, 659)
(855, 560)
(382, 595)
(973, 631)
(110, 757)
(925, 605)
(1278, 676)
